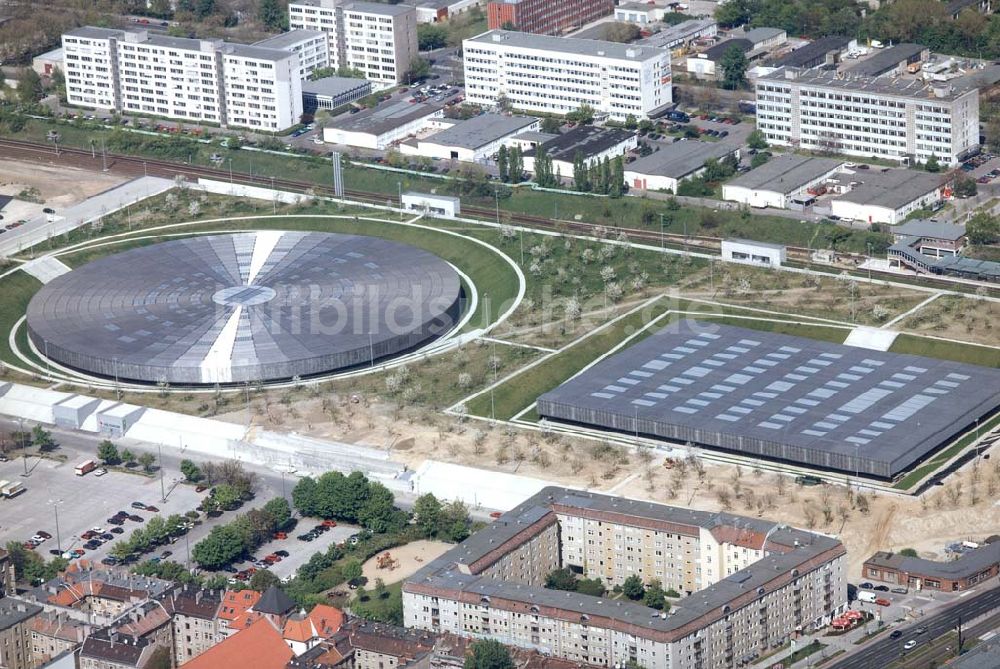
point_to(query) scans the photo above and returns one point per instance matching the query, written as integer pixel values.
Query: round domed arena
(250, 307)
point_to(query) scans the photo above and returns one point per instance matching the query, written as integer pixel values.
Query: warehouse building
(778, 182)
(663, 170)
(886, 197)
(682, 34)
(558, 75)
(790, 399)
(896, 118)
(380, 127)
(747, 583)
(593, 144)
(894, 60)
(475, 140)
(823, 51)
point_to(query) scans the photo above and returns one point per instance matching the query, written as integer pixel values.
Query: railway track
(137, 166)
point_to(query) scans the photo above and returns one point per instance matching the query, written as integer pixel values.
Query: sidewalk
(39, 228)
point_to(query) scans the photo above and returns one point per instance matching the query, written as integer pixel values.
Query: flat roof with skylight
(780, 397)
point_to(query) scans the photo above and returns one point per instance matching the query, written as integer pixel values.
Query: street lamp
(55, 509)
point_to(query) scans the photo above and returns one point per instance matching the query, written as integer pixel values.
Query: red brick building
(963, 573)
(546, 17)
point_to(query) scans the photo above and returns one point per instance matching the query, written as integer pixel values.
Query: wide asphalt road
(881, 653)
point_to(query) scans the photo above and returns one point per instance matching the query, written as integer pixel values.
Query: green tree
(932, 164)
(147, 460)
(584, 115)
(503, 164)
(263, 579)
(757, 140)
(222, 545)
(543, 168)
(618, 31)
(965, 187)
(431, 36)
(633, 588)
(561, 579)
(427, 510)
(175, 524)
(107, 453)
(551, 125)
(122, 550)
(379, 514)
(191, 471)
(304, 496)
(516, 168)
(204, 8)
(590, 586)
(128, 457)
(322, 73)
(280, 511)
(908, 552)
(59, 83)
(759, 159)
(156, 530)
(616, 188)
(656, 597)
(271, 14)
(488, 654)
(734, 65)
(351, 570)
(581, 178)
(631, 123)
(983, 229)
(42, 438)
(139, 540)
(455, 522)
(419, 69)
(29, 86)
(225, 496)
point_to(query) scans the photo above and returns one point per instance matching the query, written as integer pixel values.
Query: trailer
(11, 488)
(86, 467)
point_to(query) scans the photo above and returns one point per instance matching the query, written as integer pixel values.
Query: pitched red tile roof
(259, 646)
(321, 623)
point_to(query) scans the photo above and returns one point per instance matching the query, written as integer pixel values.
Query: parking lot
(83, 502)
(299, 551)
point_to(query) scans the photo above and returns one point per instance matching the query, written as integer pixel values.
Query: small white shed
(439, 205)
(749, 252)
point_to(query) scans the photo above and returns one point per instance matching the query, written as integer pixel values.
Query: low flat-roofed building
(380, 127)
(765, 38)
(332, 92)
(474, 140)
(46, 63)
(886, 197)
(682, 34)
(705, 64)
(968, 570)
(934, 239)
(665, 169)
(777, 181)
(435, 11)
(592, 143)
(445, 206)
(638, 12)
(749, 252)
(891, 60)
(823, 51)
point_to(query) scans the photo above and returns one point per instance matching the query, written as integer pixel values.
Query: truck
(678, 116)
(867, 596)
(86, 467)
(11, 488)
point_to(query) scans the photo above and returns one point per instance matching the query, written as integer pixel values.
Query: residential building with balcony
(558, 75)
(747, 584)
(379, 40)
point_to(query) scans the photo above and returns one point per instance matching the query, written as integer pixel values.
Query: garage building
(886, 197)
(666, 168)
(778, 181)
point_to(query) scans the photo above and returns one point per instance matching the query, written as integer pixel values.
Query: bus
(85, 467)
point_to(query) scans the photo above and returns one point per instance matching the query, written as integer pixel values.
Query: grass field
(941, 457)
(16, 291)
(946, 350)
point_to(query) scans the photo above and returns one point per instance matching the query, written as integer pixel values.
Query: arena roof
(244, 307)
(780, 397)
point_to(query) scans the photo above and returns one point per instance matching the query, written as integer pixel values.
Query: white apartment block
(379, 40)
(186, 79)
(558, 75)
(894, 118)
(312, 47)
(747, 584)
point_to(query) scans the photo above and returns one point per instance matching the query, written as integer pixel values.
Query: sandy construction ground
(411, 557)
(58, 186)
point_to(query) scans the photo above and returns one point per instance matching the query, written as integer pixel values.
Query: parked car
(136, 519)
(282, 553)
(138, 505)
(152, 509)
(110, 561)
(867, 586)
(117, 530)
(881, 588)
(882, 601)
(900, 591)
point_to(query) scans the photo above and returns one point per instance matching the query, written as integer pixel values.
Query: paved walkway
(45, 268)
(39, 228)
